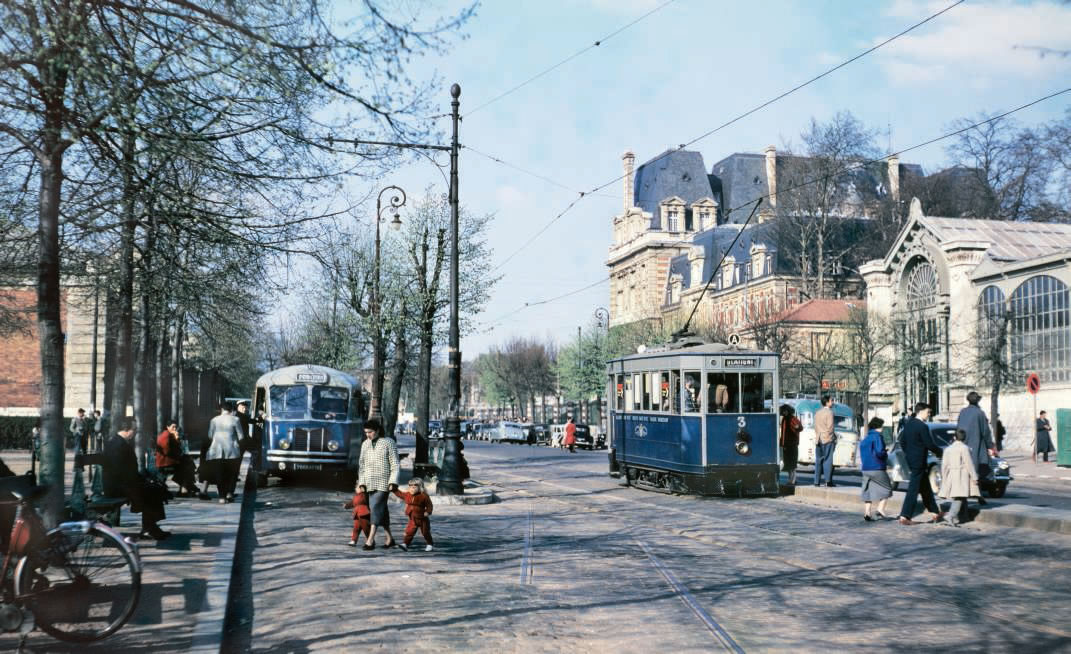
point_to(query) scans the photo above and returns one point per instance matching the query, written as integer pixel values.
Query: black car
(943, 433)
(539, 434)
(584, 439)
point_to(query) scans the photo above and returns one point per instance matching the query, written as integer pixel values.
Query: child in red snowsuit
(361, 515)
(418, 510)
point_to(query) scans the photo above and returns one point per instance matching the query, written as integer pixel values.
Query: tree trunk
(124, 359)
(423, 404)
(144, 402)
(111, 338)
(177, 399)
(163, 380)
(394, 392)
(49, 326)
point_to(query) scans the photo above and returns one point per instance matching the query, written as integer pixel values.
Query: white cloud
(981, 43)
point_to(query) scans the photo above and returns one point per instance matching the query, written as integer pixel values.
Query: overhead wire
(526, 172)
(814, 180)
(781, 96)
(569, 58)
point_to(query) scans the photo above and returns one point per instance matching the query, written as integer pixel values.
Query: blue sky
(680, 72)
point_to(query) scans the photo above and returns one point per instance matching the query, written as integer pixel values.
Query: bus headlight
(284, 443)
(332, 446)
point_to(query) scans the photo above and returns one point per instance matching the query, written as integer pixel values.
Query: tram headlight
(284, 443)
(743, 442)
(332, 446)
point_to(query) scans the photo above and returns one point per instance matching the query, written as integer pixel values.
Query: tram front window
(723, 392)
(329, 403)
(757, 392)
(289, 401)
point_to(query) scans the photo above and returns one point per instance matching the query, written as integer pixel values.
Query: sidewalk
(184, 581)
(999, 512)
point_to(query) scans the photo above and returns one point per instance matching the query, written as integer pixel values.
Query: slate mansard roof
(679, 173)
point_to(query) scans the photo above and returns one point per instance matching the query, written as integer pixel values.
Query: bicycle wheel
(85, 589)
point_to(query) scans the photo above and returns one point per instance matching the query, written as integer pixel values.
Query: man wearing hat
(973, 421)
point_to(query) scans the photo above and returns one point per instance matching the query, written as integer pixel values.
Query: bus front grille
(309, 440)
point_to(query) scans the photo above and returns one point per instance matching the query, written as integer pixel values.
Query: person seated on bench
(170, 460)
(121, 479)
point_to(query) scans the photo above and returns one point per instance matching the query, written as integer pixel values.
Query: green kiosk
(1063, 438)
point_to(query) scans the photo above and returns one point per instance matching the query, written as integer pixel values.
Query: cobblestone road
(571, 561)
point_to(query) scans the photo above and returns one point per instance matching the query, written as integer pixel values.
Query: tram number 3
(741, 422)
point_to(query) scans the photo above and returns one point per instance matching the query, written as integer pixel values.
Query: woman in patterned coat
(378, 472)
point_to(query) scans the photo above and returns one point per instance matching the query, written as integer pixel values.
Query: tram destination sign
(311, 377)
(741, 363)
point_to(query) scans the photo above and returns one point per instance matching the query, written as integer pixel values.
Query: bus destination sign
(311, 377)
(741, 363)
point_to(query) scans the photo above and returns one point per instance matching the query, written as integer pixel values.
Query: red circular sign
(1033, 383)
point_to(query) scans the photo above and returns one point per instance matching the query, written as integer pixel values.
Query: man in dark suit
(121, 479)
(915, 441)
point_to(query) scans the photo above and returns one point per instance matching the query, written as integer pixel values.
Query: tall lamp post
(602, 320)
(449, 479)
(396, 201)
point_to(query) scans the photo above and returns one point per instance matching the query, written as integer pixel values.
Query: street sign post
(1033, 385)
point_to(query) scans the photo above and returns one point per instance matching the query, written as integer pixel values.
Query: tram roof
(702, 349)
(307, 374)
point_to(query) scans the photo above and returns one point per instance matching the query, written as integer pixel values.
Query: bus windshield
(289, 401)
(329, 402)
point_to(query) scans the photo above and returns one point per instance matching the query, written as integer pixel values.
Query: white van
(505, 432)
(844, 426)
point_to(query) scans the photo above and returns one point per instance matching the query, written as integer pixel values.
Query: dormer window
(673, 220)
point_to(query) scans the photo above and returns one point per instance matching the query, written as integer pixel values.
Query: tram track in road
(904, 589)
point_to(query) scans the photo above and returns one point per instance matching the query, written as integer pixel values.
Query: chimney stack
(629, 160)
(894, 178)
(771, 175)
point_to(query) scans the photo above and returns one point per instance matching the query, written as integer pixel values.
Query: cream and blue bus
(310, 420)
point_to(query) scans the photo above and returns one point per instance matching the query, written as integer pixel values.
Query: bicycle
(78, 582)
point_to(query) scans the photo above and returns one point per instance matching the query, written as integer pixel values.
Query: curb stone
(1007, 515)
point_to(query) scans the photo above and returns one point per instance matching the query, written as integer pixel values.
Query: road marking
(527, 572)
(720, 634)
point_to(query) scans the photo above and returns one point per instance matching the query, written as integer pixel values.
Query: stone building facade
(946, 284)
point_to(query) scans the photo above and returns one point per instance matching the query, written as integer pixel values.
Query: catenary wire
(526, 172)
(808, 182)
(732, 121)
(569, 58)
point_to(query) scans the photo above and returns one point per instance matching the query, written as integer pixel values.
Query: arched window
(1041, 328)
(921, 286)
(990, 312)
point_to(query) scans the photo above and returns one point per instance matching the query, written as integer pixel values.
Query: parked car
(541, 434)
(943, 433)
(584, 438)
(435, 428)
(600, 441)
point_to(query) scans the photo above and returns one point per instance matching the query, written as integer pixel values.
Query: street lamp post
(449, 480)
(396, 201)
(602, 319)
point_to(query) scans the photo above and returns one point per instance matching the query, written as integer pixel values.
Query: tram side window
(674, 392)
(757, 392)
(647, 391)
(637, 393)
(723, 392)
(619, 391)
(329, 403)
(692, 382)
(289, 401)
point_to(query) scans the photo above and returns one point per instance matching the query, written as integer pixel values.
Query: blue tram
(696, 418)
(310, 419)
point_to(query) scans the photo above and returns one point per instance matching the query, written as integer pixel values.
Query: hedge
(16, 432)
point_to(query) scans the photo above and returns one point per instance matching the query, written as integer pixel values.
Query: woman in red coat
(570, 435)
(790, 441)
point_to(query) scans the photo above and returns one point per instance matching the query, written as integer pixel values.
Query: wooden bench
(106, 509)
